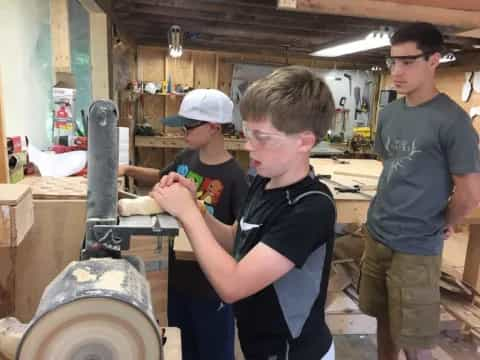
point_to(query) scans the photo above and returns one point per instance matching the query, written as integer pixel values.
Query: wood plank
(172, 349)
(204, 70)
(4, 175)
(386, 10)
(56, 188)
(471, 272)
(474, 33)
(12, 194)
(348, 324)
(175, 141)
(99, 55)
(60, 36)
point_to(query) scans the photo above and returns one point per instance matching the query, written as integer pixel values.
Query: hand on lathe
(122, 169)
(176, 199)
(173, 177)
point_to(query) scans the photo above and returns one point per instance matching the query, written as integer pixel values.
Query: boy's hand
(123, 169)
(176, 199)
(173, 178)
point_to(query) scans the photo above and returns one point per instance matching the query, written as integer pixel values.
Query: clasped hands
(175, 194)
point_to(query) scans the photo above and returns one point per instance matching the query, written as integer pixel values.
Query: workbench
(353, 207)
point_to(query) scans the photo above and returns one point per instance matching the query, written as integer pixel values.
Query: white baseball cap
(209, 105)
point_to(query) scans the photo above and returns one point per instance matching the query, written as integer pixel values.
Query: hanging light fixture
(175, 41)
(374, 40)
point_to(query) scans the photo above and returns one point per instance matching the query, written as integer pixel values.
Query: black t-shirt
(286, 319)
(222, 188)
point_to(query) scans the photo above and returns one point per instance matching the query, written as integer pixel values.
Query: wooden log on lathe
(143, 205)
(95, 309)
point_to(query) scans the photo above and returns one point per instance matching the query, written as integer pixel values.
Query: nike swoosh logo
(244, 226)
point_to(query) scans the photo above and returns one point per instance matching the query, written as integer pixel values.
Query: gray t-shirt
(422, 147)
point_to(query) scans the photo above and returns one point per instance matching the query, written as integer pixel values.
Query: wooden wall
(197, 69)
(200, 69)
(450, 81)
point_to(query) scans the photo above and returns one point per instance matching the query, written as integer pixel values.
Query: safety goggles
(405, 61)
(263, 139)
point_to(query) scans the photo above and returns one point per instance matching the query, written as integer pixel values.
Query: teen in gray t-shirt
(421, 147)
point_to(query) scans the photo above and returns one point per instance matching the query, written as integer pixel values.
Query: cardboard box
(16, 213)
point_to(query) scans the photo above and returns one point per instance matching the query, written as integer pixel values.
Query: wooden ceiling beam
(152, 23)
(219, 10)
(279, 20)
(387, 10)
(445, 4)
(294, 46)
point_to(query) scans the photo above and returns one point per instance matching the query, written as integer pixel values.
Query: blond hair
(293, 98)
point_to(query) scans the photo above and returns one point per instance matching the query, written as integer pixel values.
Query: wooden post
(4, 177)
(60, 36)
(461, 14)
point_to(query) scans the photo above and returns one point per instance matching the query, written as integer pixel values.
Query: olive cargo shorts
(405, 288)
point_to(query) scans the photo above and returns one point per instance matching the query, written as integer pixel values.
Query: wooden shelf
(174, 141)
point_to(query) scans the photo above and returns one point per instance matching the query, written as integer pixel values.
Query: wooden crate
(16, 213)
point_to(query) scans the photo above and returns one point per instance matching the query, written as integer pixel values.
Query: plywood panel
(54, 241)
(180, 70)
(154, 111)
(7, 281)
(225, 72)
(151, 64)
(150, 157)
(204, 70)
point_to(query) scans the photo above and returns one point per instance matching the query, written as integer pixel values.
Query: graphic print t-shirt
(421, 147)
(222, 189)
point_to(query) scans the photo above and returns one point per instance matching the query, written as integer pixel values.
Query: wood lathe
(98, 308)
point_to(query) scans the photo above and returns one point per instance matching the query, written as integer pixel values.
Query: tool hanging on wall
(349, 77)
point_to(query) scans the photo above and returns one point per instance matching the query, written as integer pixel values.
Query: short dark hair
(427, 37)
(294, 99)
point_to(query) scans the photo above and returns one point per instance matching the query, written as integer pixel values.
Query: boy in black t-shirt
(206, 323)
(274, 262)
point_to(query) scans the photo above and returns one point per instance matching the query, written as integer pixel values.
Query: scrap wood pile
(460, 302)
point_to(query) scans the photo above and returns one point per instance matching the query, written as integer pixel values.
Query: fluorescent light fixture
(447, 58)
(374, 40)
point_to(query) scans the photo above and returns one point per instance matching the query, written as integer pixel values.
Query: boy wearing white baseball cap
(207, 325)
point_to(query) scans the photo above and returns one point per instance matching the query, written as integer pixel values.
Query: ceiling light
(175, 41)
(374, 40)
(447, 58)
